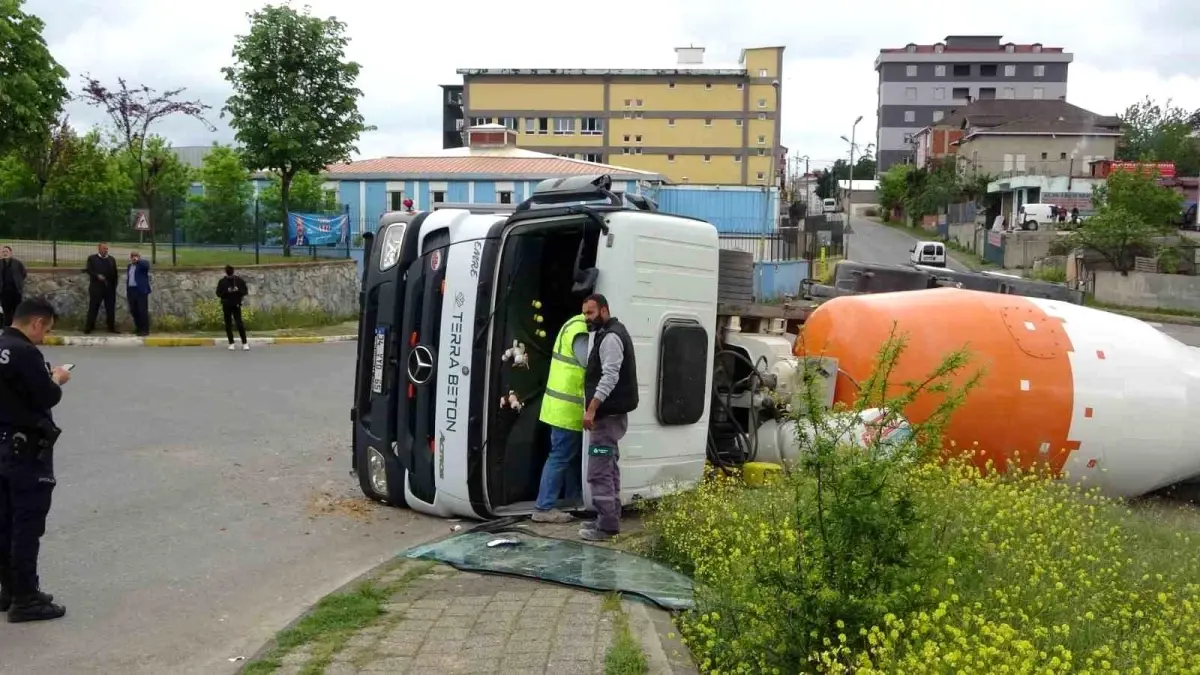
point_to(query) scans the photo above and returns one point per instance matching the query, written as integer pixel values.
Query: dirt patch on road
(327, 503)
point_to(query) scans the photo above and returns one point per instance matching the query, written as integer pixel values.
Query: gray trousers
(604, 472)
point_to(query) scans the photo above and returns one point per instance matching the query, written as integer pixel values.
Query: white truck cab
(930, 253)
(459, 314)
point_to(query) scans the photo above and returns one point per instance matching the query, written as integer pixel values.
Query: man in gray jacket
(610, 388)
(12, 284)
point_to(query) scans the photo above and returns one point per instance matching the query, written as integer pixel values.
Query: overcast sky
(1123, 50)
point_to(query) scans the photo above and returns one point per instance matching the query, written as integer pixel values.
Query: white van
(1029, 216)
(829, 205)
(931, 253)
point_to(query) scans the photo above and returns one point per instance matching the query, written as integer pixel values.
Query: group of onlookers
(104, 278)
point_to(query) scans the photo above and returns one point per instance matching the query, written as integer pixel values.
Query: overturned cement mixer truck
(460, 306)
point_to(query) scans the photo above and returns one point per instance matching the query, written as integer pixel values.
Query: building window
(625, 151)
(738, 123)
(543, 125)
(762, 152)
(910, 93)
(504, 196)
(1010, 48)
(637, 115)
(1020, 162)
(1010, 71)
(593, 126)
(987, 70)
(741, 86)
(762, 140)
(708, 122)
(737, 158)
(708, 85)
(762, 102)
(396, 201)
(960, 93)
(637, 103)
(939, 48)
(939, 71)
(637, 151)
(910, 71)
(1010, 93)
(939, 93)
(670, 122)
(762, 176)
(938, 115)
(908, 138)
(910, 48)
(530, 125)
(454, 98)
(593, 157)
(671, 84)
(564, 126)
(962, 70)
(1039, 93)
(1008, 162)
(1043, 155)
(628, 115)
(1037, 48)
(637, 139)
(479, 121)
(1062, 155)
(762, 116)
(670, 158)
(438, 197)
(628, 102)
(625, 138)
(1039, 71)
(458, 125)
(987, 93)
(707, 158)
(910, 116)
(509, 123)
(762, 72)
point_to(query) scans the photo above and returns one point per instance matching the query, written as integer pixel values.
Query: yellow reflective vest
(562, 404)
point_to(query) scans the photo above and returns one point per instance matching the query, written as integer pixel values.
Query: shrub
(1052, 274)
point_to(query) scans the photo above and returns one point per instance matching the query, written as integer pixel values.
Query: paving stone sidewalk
(447, 621)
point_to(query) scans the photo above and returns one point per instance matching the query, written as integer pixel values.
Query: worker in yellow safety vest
(562, 409)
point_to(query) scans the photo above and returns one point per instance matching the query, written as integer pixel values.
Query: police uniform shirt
(27, 393)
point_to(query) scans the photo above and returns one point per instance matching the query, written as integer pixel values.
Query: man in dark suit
(12, 284)
(102, 288)
(137, 291)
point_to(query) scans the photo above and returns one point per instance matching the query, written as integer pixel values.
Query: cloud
(1123, 51)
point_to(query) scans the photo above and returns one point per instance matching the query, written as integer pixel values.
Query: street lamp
(849, 193)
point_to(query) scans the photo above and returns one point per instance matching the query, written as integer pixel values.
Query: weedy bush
(877, 558)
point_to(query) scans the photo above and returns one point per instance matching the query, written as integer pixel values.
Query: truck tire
(735, 277)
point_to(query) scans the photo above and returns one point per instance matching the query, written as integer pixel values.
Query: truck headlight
(393, 242)
(377, 472)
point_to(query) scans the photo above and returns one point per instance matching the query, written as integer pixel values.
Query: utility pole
(849, 194)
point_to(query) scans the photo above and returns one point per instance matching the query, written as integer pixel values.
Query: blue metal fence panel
(729, 208)
(779, 280)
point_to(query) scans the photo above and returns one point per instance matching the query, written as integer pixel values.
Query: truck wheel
(735, 277)
(1031, 226)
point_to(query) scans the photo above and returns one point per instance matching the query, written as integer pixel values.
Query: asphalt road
(871, 242)
(203, 503)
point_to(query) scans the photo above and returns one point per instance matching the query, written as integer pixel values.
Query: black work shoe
(6, 600)
(34, 608)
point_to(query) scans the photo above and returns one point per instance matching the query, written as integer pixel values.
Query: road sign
(141, 220)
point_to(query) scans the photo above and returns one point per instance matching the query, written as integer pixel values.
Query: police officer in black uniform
(29, 388)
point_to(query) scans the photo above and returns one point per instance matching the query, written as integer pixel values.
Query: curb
(121, 341)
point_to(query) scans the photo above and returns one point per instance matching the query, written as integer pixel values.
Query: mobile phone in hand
(68, 367)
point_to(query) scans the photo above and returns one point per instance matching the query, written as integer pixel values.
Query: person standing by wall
(29, 388)
(12, 284)
(102, 288)
(137, 292)
(232, 290)
(562, 411)
(611, 391)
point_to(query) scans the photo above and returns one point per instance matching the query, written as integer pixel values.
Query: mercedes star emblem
(420, 364)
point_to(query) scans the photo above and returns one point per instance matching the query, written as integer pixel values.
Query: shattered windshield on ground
(562, 561)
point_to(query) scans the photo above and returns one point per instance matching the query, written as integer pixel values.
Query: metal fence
(53, 235)
(780, 245)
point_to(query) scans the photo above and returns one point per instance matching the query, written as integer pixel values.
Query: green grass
(72, 253)
(624, 655)
(331, 624)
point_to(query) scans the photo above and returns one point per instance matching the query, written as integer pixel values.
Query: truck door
(380, 470)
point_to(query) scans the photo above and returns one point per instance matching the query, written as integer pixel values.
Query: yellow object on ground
(760, 474)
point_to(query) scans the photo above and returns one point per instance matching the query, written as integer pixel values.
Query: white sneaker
(232, 346)
(245, 346)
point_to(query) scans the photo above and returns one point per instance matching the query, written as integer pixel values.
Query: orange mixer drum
(1102, 397)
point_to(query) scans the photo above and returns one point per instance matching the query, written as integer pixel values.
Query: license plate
(377, 360)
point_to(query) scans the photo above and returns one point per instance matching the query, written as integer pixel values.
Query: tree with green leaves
(222, 214)
(161, 181)
(295, 104)
(1161, 133)
(893, 186)
(32, 92)
(1131, 211)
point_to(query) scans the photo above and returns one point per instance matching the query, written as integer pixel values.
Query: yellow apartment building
(693, 123)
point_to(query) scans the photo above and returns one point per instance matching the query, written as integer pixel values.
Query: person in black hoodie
(231, 289)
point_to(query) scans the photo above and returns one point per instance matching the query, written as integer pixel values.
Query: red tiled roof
(515, 166)
(947, 49)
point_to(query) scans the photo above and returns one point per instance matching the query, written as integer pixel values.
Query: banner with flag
(313, 229)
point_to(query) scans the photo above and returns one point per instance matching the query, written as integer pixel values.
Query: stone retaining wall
(326, 286)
